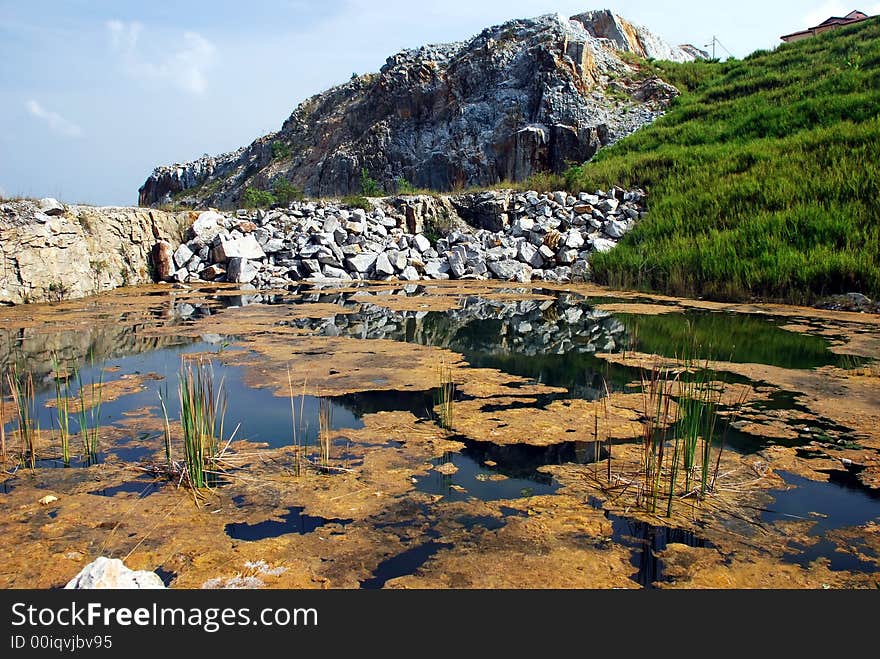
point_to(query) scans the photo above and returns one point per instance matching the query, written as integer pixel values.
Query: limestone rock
(112, 573)
(245, 247)
(50, 206)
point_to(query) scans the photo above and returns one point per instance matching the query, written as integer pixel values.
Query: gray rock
(528, 253)
(336, 273)
(580, 270)
(603, 245)
(383, 265)
(311, 266)
(608, 205)
(546, 253)
(434, 268)
(208, 224)
(409, 274)
(245, 247)
(181, 255)
(421, 243)
(240, 270)
(272, 246)
(507, 269)
(51, 206)
(615, 229)
(112, 573)
(574, 239)
(361, 262)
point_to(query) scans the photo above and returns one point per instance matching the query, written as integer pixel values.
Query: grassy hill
(763, 178)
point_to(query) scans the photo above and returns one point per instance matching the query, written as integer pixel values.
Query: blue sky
(94, 94)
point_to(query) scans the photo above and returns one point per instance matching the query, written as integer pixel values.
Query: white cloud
(835, 8)
(57, 123)
(184, 65)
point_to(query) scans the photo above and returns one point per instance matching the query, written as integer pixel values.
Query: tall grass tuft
(656, 399)
(22, 388)
(445, 396)
(2, 425)
(679, 431)
(89, 414)
(297, 448)
(62, 408)
(169, 461)
(202, 411)
(325, 421)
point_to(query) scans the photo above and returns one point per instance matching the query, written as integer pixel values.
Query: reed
(445, 396)
(22, 389)
(297, 449)
(62, 408)
(2, 425)
(89, 414)
(202, 413)
(657, 399)
(167, 429)
(325, 420)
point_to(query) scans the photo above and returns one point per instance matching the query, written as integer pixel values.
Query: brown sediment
(543, 549)
(689, 567)
(560, 421)
(639, 308)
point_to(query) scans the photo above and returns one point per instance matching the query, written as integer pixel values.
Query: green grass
(22, 388)
(357, 201)
(325, 423)
(89, 414)
(445, 396)
(763, 177)
(202, 412)
(62, 407)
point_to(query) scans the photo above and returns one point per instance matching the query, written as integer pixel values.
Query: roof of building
(852, 17)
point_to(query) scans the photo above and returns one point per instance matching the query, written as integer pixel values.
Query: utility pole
(715, 42)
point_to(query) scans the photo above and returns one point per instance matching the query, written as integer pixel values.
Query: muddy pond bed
(441, 435)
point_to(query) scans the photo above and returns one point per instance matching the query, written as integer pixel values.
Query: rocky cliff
(526, 96)
(49, 251)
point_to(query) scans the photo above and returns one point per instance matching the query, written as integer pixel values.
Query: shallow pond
(520, 352)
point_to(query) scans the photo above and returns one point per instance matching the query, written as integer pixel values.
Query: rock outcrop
(527, 96)
(49, 251)
(497, 234)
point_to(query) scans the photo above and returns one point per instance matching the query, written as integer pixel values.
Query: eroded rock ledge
(49, 251)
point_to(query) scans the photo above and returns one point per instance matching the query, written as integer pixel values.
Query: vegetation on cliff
(763, 176)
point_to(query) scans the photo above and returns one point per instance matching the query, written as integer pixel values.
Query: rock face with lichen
(526, 96)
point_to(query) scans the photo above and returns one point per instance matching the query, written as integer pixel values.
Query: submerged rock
(111, 573)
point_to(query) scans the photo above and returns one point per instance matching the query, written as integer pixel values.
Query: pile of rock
(531, 236)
